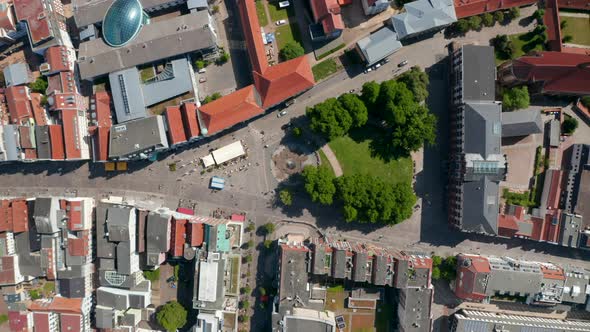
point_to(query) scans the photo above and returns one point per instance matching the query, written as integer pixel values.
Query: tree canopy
(487, 19)
(370, 199)
(516, 98)
(39, 85)
(286, 197)
(355, 107)
(329, 118)
(569, 125)
(369, 94)
(319, 184)
(416, 80)
(291, 50)
(172, 316)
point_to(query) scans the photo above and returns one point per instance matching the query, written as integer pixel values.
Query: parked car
(368, 70)
(202, 71)
(171, 279)
(377, 65)
(202, 80)
(282, 113)
(280, 22)
(403, 63)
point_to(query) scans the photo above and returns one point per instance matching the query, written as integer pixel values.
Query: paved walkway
(332, 159)
(583, 15)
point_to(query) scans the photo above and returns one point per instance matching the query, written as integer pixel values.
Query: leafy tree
(200, 64)
(211, 98)
(563, 24)
(355, 107)
(514, 12)
(416, 81)
(462, 25)
(449, 268)
(244, 304)
(44, 101)
(504, 46)
(152, 275)
(34, 294)
(319, 184)
(245, 290)
(247, 259)
(268, 228)
(567, 39)
(172, 316)
(569, 125)
(223, 58)
(436, 260)
(475, 22)
(487, 19)
(39, 85)
(499, 16)
(516, 98)
(435, 273)
(261, 291)
(248, 245)
(369, 94)
(243, 318)
(538, 15)
(297, 132)
(250, 227)
(585, 101)
(286, 197)
(268, 244)
(291, 50)
(329, 118)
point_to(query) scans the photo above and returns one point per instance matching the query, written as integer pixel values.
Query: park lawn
(355, 158)
(522, 45)
(286, 33)
(262, 19)
(324, 69)
(325, 162)
(277, 13)
(578, 28)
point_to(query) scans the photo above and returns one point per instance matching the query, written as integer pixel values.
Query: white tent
(228, 152)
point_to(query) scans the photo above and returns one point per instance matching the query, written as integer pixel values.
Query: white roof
(228, 152)
(208, 281)
(208, 161)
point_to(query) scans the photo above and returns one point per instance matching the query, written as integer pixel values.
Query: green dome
(122, 22)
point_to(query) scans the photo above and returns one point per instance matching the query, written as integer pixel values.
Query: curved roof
(122, 22)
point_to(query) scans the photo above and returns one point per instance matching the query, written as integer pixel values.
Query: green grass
(146, 73)
(521, 199)
(335, 289)
(383, 316)
(324, 69)
(277, 13)
(49, 287)
(261, 13)
(3, 318)
(355, 157)
(523, 44)
(332, 51)
(286, 33)
(578, 28)
(325, 162)
(235, 275)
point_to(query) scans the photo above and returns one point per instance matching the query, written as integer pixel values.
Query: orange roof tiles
(552, 273)
(78, 246)
(74, 214)
(189, 119)
(230, 110)
(178, 237)
(175, 126)
(70, 133)
(37, 18)
(57, 58)
(26, 139)
(284, 80)
(196, 234)
(466, 8)
(7, 21)
(14, 216)
(38, 110)
(253, 35)
(57, 142)
(102, 102)
(328, 13)
(58, 304)
(101, 143)
(574, 4)
(30, 154)
(18, 104)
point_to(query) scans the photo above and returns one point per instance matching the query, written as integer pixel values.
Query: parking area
(520, 153)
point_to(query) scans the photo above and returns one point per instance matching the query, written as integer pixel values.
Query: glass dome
(122, 22)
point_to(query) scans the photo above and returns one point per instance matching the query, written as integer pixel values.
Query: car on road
(282, 113)
(202, 80)
(403, 63)
(280, 22)
(368, 70)
(377, 66)
(202, 71)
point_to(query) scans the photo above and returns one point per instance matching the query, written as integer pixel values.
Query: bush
(521, 199)
(245, 290)
(268, 244)
(34, 294)
(176, 271)
(286, 197)
(585, 101)
(538, 15)
(172, 316)
(243, 318)
(569, 125)
(462, 25)
(297, 132)
(514, 12)
(39, 85)
(3, 318)
(152, 275)
(247, 259)
(215, 9)
(567, 39)
(250, 227)
(223, 58)
(516, 98)
(211, 98)
(244, 304)
(291, 50)
(499, 16)
(563, 24)
(487, 19)
(475, 22)
(261, 291)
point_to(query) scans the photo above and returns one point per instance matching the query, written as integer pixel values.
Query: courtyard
(577, 26)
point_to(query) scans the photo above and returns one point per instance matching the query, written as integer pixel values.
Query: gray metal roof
(127, 95)
(413, 309)
(381, 270)
(379, 45)
(576, 284)
(158, 232)
(10, 143)
(104, 248)
(480, 321)
(123, 262)
(195, 4)
(112, 297)
(339, 264)
(302, 323)
(17, 74)
(582, 204)
(569, 232)
(512, 277)
(176, 80)
(479, 73)
(359, 272)
(483, 129)
(43, 142)
(72, 288)
(45, 214)
(480, 206)
(319, 260)
(423, 15)
(104, 317)
(293, 283)
(132, 138)
(156, 41)
(554, 132)
(521, 123)
(28, 263)
(118, 222)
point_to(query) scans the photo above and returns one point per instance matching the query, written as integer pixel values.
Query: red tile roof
(142, 217)
(74, 214)
(57, 304)
(176, 133)
(38, 110)
(538, 228)
(70, 323)
(37, 18)
(57, 142)
(78, 246)
(41, 321)
(30, 154)
(466, 8)
(26, 139)
(574, 4)
(550, 272)
(551, 20)
(19, 105)
(196, 234)
(189, 119)
(18, 321)
(467, 276)
(57, 58)
(71, 133)
(7, 20)
(230, 110)
(327, 12)
(284, 80)
(178, 237)
(101, 143)
(7, 270)
(185, 211)
(14, 216)
(564, 73)
(238, 217)
(253, 35)
(102, 104)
